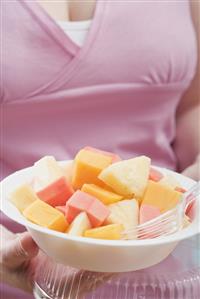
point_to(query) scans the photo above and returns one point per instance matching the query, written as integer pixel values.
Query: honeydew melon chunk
(46, 171)
(128, 177)
(23, 196)
(125, 212)
(80, 224)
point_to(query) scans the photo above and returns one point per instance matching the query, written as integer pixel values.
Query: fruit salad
(102, 197)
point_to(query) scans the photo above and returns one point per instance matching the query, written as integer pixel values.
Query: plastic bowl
(94, 254)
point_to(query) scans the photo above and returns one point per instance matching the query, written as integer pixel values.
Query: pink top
(119, 92)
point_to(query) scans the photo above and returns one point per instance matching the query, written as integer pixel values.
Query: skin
(19, 253)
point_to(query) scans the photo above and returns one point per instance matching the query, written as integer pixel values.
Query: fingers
(17, 251)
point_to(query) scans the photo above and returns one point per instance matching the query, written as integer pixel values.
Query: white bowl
(94, 254)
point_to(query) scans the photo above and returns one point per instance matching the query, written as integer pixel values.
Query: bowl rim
(185, 233)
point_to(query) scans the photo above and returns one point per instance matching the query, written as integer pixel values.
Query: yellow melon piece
(128, 177)
(44, 215)
(107, 197)
(170, 181)
(87, 167)
(23, 196)
(108, 232)
(46, 171)
(161, 196)
(80, 224)
(125, 212)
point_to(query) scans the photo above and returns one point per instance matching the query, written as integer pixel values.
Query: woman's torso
(118, 92)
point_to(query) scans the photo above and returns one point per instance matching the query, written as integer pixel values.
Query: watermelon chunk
(80, 201)
(57, 193)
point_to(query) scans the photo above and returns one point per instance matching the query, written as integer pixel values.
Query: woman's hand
(16, 256)
(193, 170)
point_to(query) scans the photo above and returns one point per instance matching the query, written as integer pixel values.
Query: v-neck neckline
(50, 26)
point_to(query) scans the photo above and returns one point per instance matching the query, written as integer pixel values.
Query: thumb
(18, 250)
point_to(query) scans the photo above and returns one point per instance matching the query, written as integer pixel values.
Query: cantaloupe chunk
(115, 158)
(161, 196)
(107, 197)
(128, 177)
(56, 193)
(87, 167)
(44, 215)
(80, 224)
(108, 232)
(23, 196)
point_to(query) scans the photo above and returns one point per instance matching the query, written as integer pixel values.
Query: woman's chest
(72, 10)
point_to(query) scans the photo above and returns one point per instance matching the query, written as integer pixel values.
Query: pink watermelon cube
(56, 193)
(79, 202)
(97, 213)
(148, 212)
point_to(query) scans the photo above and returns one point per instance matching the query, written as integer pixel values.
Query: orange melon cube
(108, 232)
(87, 166)
(44, 215)
(115, 158)
(107, 197)
(57, 193)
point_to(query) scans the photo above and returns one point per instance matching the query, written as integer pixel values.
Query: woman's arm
(187, 144)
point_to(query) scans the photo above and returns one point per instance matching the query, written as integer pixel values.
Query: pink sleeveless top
(119, 92)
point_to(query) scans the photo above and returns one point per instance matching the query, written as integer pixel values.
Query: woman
(129, 84)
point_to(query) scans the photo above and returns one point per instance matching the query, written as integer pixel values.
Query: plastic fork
(168, 223)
